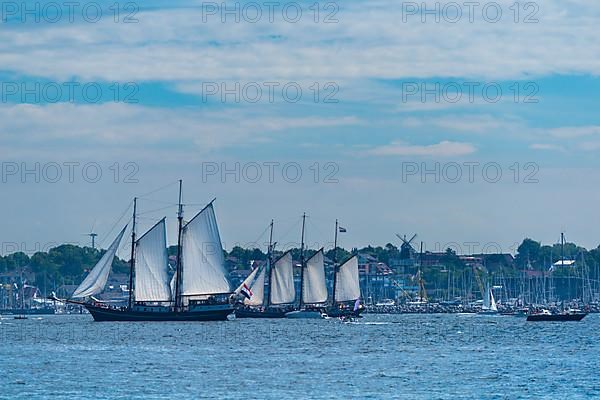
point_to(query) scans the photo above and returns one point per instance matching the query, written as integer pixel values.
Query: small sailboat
(489, 304)
(198, 291)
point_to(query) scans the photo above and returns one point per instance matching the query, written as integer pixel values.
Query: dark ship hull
(103, 314)
(556, 317)
(335, 312)
(254, 313)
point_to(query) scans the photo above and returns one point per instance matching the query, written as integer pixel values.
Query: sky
(473, 127)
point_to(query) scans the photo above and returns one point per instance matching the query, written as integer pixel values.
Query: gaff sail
(314, 285)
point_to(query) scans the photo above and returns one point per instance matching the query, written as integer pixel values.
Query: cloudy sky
(473, 127)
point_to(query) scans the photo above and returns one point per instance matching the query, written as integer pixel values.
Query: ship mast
(302, 262)
(178, 268)
(270, 265)
(132, 261)
(334, 263)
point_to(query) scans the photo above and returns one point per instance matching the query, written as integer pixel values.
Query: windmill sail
(152, 264)
(282, 284)
(203, 263)
(96, 280)
(315, 286)
(348, 284)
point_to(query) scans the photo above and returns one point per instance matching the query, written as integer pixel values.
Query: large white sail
(96, 280)
(282, 283)
(314, 287)
(203, 264)
(347, 281)
(152, 265)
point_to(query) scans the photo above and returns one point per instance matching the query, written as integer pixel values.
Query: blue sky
(171, 126)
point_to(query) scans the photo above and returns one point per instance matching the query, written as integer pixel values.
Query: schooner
(198, 291)
(276, 276)
(313, 301)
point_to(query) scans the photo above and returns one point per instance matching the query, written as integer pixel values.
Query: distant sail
(315, 286)
(487, 304)
(255, 281)
(258, 290)
(152, 265)
(282, 284)
(348, 284)
(96, 280)
(492, 302)
(203, 263)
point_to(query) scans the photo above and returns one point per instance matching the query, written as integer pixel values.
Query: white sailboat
(489, 304)
(198, 291)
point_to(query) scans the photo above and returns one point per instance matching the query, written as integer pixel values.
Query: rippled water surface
(381, 356)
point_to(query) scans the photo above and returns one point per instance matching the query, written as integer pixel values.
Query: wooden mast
(270, 266)
(178, 269)
(302, 262)
(334, 263)
(132, 261)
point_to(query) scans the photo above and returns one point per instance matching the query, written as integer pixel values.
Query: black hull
(337, 313)
(556, 317)
(101, 314)
(249, 313)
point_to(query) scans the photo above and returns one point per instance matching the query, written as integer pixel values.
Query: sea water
(378, 357)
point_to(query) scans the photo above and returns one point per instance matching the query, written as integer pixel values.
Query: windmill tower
(407, 251)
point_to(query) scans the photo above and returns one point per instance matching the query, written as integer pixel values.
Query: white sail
(152, 265)
(487, 304)
(492, 302)
(347, 281)
(314, 287)
(282, 284)
(203, 264)
(96, 280)
(258, 290)
(255, 281)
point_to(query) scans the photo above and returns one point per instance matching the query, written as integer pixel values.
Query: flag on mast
(342, 230)
(246, 292)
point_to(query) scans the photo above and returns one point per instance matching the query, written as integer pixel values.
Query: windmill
(407, 251)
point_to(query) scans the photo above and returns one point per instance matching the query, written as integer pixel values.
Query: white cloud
(175, 45)
(142, 131)
(442, 149)
(570, 132)
(546, 146)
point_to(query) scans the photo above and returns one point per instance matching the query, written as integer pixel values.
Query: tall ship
(197, 291)
(268, 292)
